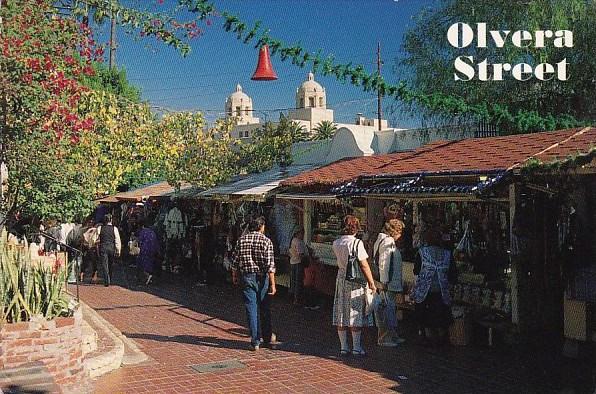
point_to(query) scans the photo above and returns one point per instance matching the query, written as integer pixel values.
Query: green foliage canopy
(429, 57)
(271, 145)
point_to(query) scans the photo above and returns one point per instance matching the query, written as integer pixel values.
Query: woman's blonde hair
(351, 225)
(393, 227)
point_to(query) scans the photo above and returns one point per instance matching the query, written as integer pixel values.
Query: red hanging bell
(264, 71)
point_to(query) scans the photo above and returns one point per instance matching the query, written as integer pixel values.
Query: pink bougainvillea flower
(27, 78)
(88, 70)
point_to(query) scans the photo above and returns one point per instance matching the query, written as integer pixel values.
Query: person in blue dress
(149, 251)
(435, 271)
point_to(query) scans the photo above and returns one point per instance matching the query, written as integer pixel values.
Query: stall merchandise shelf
(324, 252)
(324, 237)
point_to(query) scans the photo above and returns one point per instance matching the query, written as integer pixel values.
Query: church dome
(311, 94)
(239, 105)
(239, 95)
(310, 85)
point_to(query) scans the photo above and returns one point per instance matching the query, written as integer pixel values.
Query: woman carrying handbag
(388, 262)
(354, 280)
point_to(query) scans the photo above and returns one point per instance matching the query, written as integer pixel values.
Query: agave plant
(28, 289)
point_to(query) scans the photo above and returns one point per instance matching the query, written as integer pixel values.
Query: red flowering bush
(43, 59)
(60, 138)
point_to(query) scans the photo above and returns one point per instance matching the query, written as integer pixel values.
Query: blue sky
(349, 29)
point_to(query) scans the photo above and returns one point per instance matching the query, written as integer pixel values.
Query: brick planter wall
(57, 343)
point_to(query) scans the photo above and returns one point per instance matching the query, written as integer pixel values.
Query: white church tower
(311, 104)
(239, 105)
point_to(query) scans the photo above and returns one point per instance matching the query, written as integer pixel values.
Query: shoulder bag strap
(391, 263)
(354, 251)
(376, 253)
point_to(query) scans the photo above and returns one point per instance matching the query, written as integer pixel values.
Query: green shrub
(28, 289)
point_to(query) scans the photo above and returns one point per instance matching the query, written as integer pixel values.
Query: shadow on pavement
(413, 368)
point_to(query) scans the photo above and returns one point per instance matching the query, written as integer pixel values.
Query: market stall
(477, 234)
(247, 196)
(176, 215)
(498, 219)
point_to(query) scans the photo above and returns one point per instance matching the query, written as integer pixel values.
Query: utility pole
(379, 110)
(112, 61)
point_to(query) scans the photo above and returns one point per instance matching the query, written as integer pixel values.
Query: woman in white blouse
(388, 257)
(349, 305)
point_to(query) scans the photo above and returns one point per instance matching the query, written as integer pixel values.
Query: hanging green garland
(559, 165)
(165, 27)
(519, 121)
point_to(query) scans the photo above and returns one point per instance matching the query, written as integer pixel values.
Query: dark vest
(107, 238)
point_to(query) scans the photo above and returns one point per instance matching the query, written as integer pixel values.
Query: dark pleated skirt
(433, 313)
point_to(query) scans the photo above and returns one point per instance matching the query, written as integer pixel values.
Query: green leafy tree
(203, 157)
(324, 130)
(271, 145)
(429, 56)
(267, 148)
(113, 81)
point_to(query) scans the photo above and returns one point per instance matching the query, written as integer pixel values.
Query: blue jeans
(386, 318)
(391, 310)
(257, 304)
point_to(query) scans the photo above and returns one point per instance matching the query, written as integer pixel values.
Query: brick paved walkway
(178, 326)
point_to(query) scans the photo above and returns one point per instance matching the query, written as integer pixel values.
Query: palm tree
(294, 130)
(324, 130)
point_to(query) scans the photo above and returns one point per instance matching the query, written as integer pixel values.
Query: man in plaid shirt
(253, 259)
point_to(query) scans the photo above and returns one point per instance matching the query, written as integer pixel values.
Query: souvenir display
(327, 220)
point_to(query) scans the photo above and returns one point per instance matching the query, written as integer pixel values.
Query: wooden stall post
(514, 260)
(307, 220)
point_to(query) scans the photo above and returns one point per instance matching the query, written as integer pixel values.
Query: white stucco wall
(412, 139)
(351, 142)
(312, 116)
(311, 152)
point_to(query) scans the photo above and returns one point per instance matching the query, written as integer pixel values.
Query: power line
(281, 109)
(286, 80)
(183, 75)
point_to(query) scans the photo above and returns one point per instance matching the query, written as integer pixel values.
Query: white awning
(306, 196)
(257, 187)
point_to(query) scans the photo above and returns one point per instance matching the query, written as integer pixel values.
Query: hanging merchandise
(465, 245)
(175, 223)
(419, 230)
(285, 224)
(564, 225)
(393, 211)
(507, 303)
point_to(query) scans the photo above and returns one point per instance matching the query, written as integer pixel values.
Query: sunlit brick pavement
(177, 326)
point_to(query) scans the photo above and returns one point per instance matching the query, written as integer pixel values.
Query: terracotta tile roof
(341, 171)
(481, 154)
(496, 153)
